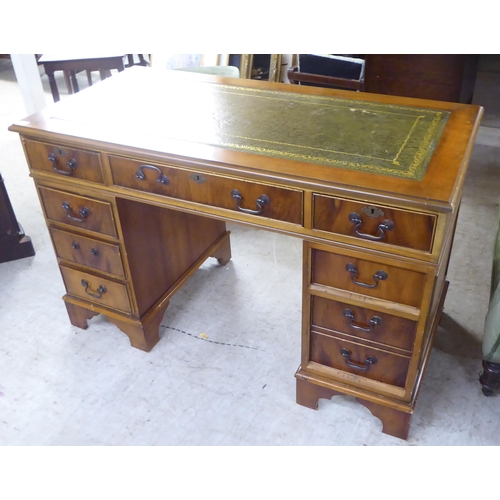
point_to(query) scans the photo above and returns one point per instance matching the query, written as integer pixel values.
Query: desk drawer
(78, 211)
(281, 204)
(359, 359)
(366, 277)
(64, 161)
(377, 327)
(374, 223)
(97, 290)
(88, 252)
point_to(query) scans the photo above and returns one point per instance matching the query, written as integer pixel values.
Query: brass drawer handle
(162, 178)
(261, 202)
(374, 321)
(379, 275)
(71, 164)
(370, 360)
(84, 212)
(385, 225)
(102, 289)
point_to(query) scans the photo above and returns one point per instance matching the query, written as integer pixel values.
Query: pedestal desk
(138, 174)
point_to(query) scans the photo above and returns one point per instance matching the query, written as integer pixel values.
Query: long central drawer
(232, 194)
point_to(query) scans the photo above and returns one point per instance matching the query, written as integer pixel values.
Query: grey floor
(60, 385)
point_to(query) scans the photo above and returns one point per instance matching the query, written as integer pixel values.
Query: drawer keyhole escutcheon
(378, 276)
(372, 211)
(198, 178)
(162, 178)
(262, 201)
(385, 225)
(370, 360)
(84, 212)
(71, 164)
(102, 289)
(374, 321)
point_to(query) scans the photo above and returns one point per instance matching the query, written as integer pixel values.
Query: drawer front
(391, 283)
(88, 252)
(64, 161)
(78, 211)
(363, 323)
(374, 223)
(280, 204)
(97, 290)
(359, 359)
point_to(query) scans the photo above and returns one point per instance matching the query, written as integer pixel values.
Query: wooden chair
(73, 65)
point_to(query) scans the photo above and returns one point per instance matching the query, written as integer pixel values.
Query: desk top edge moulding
(372, 184)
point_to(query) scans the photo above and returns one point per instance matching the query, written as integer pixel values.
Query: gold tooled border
(414, 171)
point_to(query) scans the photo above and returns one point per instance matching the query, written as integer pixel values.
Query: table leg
(104, 73)
(223, 252)
(143, 334)
(308, 394)
(74, 82)
(79, 316)
(53, 85)
(68, 82)
(395, 422)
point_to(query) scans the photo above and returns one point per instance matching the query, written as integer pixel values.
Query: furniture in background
(443, 77)
(14, 244)
(72, 65)
(490, 378)
(142, 60)
(332, 71)
(257, 66)
(371, 185)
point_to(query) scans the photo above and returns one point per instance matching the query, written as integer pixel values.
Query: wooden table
(72, 65)
(137, 197)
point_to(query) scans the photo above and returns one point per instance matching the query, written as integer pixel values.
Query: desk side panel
(162, 246)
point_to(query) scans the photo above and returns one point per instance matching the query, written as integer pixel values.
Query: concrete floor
(60, 385)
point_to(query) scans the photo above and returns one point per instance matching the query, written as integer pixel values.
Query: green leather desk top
(378, 138)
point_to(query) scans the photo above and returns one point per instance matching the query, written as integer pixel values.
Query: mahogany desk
(137, 176)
